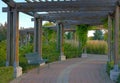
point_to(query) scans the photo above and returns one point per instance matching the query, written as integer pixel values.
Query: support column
(38, 36)
(58, 37)
(115, 72)
(109, 37)
(61, 28)
(9, 58)
(35, 35)
(17, 68)
(112, 42)
(27, 38)
(116, 42)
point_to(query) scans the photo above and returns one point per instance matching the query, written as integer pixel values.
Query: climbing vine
(48, 34)
(81, 32)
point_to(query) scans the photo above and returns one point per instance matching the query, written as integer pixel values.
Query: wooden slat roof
(80, 11)
(74, 15)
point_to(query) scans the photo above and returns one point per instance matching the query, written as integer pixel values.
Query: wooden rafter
(65, 6)
(98, 5)
(92, 11)
(73, 15)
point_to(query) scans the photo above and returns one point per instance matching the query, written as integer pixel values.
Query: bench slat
(34, 58)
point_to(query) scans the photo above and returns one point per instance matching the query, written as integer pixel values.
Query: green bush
(49, 52)
(2, 53)
(96, 47)
(6, 74)
(109, 67)
(118, 80)
(23, 61)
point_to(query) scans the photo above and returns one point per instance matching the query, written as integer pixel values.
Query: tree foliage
(3, 31)
(98, 35)
(68, 35)
(48, 34)
(2, 53)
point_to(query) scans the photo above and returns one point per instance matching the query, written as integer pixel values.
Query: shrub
(6, 74)
(50, 52)
(96, 47)
(109, 67)
(23, 61)
(2, 53)
(118, 80)
(71, 51)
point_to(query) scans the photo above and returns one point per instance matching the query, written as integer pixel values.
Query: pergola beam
(88, 15)
(67, 15)
(10, 3)
(49, 9)
(66, 6)
(77, 13)
(87, 22)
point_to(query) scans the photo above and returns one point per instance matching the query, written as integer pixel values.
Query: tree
(98, 35)
(48, 34)
(3, 31)
(69, 35)
(106, 36)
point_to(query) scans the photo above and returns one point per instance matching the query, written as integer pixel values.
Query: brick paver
(77, 70)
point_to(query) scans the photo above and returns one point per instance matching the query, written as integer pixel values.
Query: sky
(24, 20)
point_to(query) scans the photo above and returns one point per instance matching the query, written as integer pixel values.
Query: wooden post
(9, 58)
(27, 38)
(17, 68)
(16, 38)
(62, 57)
(112, 39)
(109, 37)
(58, 37)
(116, 36)
(61, 39)
(114, 74)
(38, 36)
(35, 35)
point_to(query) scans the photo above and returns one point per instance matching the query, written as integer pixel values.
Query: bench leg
(48, 65)
(38, 69)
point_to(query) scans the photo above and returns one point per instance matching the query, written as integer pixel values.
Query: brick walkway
(78, 70)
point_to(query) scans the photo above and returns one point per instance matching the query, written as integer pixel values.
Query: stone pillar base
(42, 64)
(7, 63)
(84, 55)
(114, 75)
(62, 58)
(17, 71)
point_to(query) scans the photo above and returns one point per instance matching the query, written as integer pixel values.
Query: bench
(35, 59)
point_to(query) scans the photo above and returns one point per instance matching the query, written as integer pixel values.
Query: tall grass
(71, 49)
(96, 47)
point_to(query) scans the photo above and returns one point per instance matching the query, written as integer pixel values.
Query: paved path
(77, 70)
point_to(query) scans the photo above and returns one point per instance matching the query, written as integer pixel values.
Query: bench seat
(34, 58)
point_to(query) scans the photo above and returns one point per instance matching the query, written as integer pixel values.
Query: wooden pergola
(63, 12)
